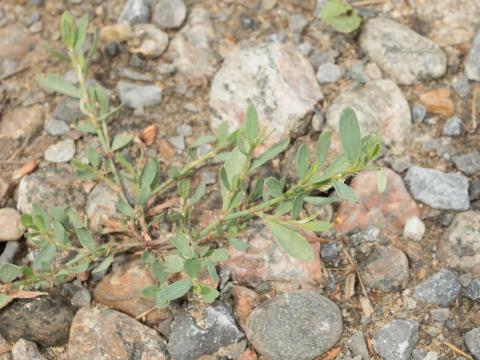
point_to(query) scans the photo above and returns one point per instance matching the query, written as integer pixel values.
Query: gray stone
(452, 127)
(472, 291)
(45, 320)
(24, 349)
(297, 23)
(472, 340)
(166, 69)
(169, 14)
(474, 190)
(461, 86)
(133, 75)
(420, 354)
(418, 112)
(440, 289)
(81, 297)
(399, 163)
(472, 62)
(440, 315)
(139, 96)
(56, 127)
(445, 218)
(62, 151)
(358, 346)
(184, 130)
(67, 110)
(135, 12)
(101, 206)
(178, 142)
(329, 73)
(154, 41)
(11, 227)
(465, 279)
(112, 49)
(396, 340)
(295, 326)
(414, 228)
(469, 163)
(191, 338)
(380, 107)
(437, 189)
(207, 177)
(277, 78)
(402, 53)
(329, 251)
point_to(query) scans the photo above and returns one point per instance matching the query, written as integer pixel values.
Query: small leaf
(320, 201)
(125, 208)
(334, 8)
(86, 239)
(322, 147)
(381, 181)
(76, 269)
(81, 32)
(193, 267)
(197, 195)
(290, 240)
(270, 153)
(5, 300)
(60, 85)
(218, 255)
(180, 242)
(317, 226)
(302, 161)
(27, 221)
(184, 188)
(274, 186)
(350, 135)
(238, 244)
(284, 208)
(173, 263)
(212, 271)
(344, 191)
(104, 265)
(120, 141)
(93, 50)
(205, 139)
(149, 173)
(173, 291)
(208, 293)
(86, 127)
(122, 160)
(150, 291)
(43, 259)
(224, 179)
(66, 29)
(93, 157)
(346, 23)
(297, 206)
(9, 272)
(158, 271)
(251, 122)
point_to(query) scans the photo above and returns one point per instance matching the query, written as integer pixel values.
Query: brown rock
(21, 122)
(116, 33)
(388, 210)
(248, 354)
(245, 301)
(265, 261)
(166, 150)
(15, 44)
(24, 349)
(106, 334)
(10, 226)
(438, 101)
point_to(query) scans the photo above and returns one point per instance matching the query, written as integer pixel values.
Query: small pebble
(469, 163)
(440, 315)
(63, 151)
(112, 49)
(207, 177)
(56, 127)
(329, 251)
(318, 120)
(10, 226)
(474, 191)
(178, 142)
(329, 73)
(445, 218)
(452, 127)
(191, 107)
(440, 289)
(414, 229)
(461, 86)
(419, 112)
(473, 290)
(166, 69)
(184, 130)
(81, 298)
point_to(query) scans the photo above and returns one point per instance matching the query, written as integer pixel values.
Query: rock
(12, 248)
(24, 349)
(266, 262)
(414, 229)
(472, 340)
(169, 14)
(385, 268)
(154, 42)
(295, 326)
(418, 113)
(380, 107)
(472, 291)
(438, 189)
(15, 45)
(4, 343)
(399, 163)
(117, 33)
(178, 142)
(474, 190)
(461, 86)
(50, 187)
(279, 81)
(438, 101)
(62, 151)
(67, 110)
(329, 251)
(112, 49)
(329, 73)
(402, 53)
(469, 163)
(135, 12)
(10, 226)
(396, 340)
(45, 320)
(245, 301)
(56, 127)
(122, 289)
(358, 346)
(204, 333)
(450, 22)
(166, 69)
(190, 50)
(440, 289)
(452, 127)
(440, 315)
(81, 298)
(21, 122)
(101, 206)
(139, 96)
(101, 333)
(388, 210)
(419, 354)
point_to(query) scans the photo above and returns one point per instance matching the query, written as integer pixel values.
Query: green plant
(341, 16)
(191, 250)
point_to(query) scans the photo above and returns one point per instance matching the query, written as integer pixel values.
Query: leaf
(212, 271)
(290, 240)
(120, 141)
(381, 181)
(321, 148)
(320, 201)
(81, 32)
(284, 208)
(125, 208)
(9, 272)
(334, 8)
(198, 194)
(180, 242)
(93, 157)
(27, 221)
(273, 186)
(302, 161)
(150, 291)
(346, 23)
(218, 255)
(224, 179)
(93, 50)
(122, 160)
(59, 84)
(158, 271)
(350, 135)
(25, 294)
(104, 265)
(270, 153)
(221, 132)
(208, 293)
(149, 173)
(44, 257)
(344, 191)
(251, 122)
(193, 267)
(316, 225)
(86, 239)
(66, 29)
(5, 300)
(297, 206)
(86, 127)
(184, 188)
(238, 244)
(173, 263)
(205, 139)
(77, 269)
(173, 291)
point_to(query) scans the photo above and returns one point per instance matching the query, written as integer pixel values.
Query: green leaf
(104, 265)
(208, 293)
(251, 122)
(27, 221)
(321, 148)
(9, 272)
(297, 206)
(212, 271)
(81, 32)
(184, 188)
(381, 181)
(350, 135)
(66, 29)
(86, 239)
(198, 194)
(76, 269)
(284, 208)
(290, 240)
(173, 291)
(59, 84)
(302, 161)
(334, 8)
(120, 141)
(150, 291)
(158, 271)
(238, 244)
(93, 156)
(205, 139)
(273, 186)
(43, 259)
(5, 300)
(270, 153)
(346, 23)
(122, 160)
(180, 242)
(125, 208)
(344, 191)
(149, 173)
(316, 225)
(173, 263)
(218, 255)
(59, 233)
(224, 179)
(221, 133)
(86, 127)
(193, 267)
(320, 201)
(93, 50)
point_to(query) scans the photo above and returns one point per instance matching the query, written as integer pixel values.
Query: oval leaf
(290, 240)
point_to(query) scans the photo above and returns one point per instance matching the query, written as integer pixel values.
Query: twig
(368, 2)
(354, 265)
(145, 313)
(19, 150)
(16, 72)
(457, 350)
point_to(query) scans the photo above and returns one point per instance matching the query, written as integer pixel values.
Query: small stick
(457, 350)
(350, 260)
(19, 150)
(368, 2)
(16, 72)
(145, 313)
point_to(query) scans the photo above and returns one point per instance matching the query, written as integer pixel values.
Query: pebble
(472, 291)
(358, 346)
(461, 86)
(101, 333)
(329, 73)
(290, 84)
(472, 62)
(44, 320)
(373, 71)
(101, 206)
(191, 337)
(469, 163)
(166, 69)
(178, 142)
(207, 177)
(399, 163)
(402, 53)
(329, 251)
(133, 75)
(118, 33)
(112, 49)
(440, 289)
(62, 151)
(295, 326)
(67, 110)
(419, 111)
(184, 130)
(10, 226)
(472, 340)
(154, 42)
(440, 315)
(169, 14)
(81, 298)
(139, 96)
(438, 101)
(420, 354)
(135, 12)
(380, 107)
(474, 190)
(56, 127)
(414, 229)
(137, 62)
(437, 189)
(452, 127)
(388, 210)
(396, 340)
(318, 120)
(24, 349)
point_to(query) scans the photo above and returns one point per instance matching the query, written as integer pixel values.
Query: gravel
(62, 151)
(139, 96)
(414, 229)
(472, 63)
(469, 163)
(440, 289)
(396, 340)
(472, 340)
(10, 226)
(169, 14)
(452, 127)
(329, 73)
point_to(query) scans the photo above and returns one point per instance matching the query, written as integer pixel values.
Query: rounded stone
(10, 226)
(295, 326)
(63, 151)
(169, 14)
